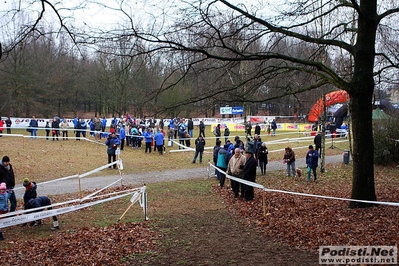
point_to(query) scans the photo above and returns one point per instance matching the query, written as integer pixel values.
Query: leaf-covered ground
(195, 222)
(308, 222)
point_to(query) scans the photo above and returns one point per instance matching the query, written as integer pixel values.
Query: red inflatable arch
(332, 98)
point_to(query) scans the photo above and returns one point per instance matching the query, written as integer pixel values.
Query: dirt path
(95, 182)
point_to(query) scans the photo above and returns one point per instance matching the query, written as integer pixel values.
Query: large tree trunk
(361, 92)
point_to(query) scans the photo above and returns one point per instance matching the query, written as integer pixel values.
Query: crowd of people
(229, 159)
(8, 200)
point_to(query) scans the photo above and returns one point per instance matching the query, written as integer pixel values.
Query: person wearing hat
(249, 173)
(30, 190)
(7, 176)
(4, 196)
(38, 202)
(112, 143)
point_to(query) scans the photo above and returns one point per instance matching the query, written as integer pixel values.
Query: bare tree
(350, 36)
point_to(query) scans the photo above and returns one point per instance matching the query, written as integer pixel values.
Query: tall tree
(351, 33)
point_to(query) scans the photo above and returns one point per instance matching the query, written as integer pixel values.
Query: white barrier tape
(330, 197)
(25, 218)
(249, 183)
(303, 194)
(76, 176)
(185, 148)
(97, 169)
(98, 191)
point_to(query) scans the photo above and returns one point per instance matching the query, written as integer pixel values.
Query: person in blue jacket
(312, 159)
(148, 140)
(122, 136)
(159, 137)
(112, 143)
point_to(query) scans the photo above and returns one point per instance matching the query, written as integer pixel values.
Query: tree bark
(361, 92)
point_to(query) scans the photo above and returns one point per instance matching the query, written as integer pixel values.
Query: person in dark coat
(202, 128)
(112, 143)
(30, 191)
(7, 176)
(42, 201)
(317, 143)
(262, 157)
(312, 159)
(216, 149)
(249, 173)
(199, 148)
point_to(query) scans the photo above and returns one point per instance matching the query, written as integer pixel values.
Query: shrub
(386, 145)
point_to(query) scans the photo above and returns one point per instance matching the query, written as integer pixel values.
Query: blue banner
(238, 110)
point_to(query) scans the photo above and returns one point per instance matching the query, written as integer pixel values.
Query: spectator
(257, 129)
(190, 127)
(249, 173)
(171, 133)
(42, 201)
(148, 140)
(112, 143)
(55, 125)
(201, 127)
(317, 143)
(1, 127)
(122, 137)
(34, 125)
(7, 176)
(274, 127)
(134, 132)
(30, 190)
(226, 133)
(217, 132)
(103, 124)
(64, 126)
(215, 157)
(182, 134)
(97, 128)
(83, 126)
(188, 140)
(289, 159)
(159, 141)
(4, 196)
(222, 163)
(47, 130)
(312, 158)
(262, 157)
(248, 128)
(78, 129)
(8, 125)
(235, 168)
(257, 143)
(199, 148)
